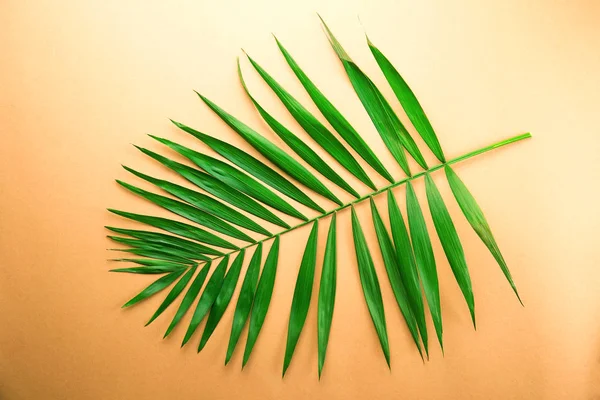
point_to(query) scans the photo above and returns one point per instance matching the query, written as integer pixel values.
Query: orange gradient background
(82, 80)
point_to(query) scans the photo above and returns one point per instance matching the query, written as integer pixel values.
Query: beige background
(81, 80)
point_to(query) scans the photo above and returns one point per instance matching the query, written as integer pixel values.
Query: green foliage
(236, 196)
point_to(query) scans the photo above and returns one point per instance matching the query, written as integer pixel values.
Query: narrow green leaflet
(450, 242)
(207, 298)
(475, 216)
(223, 298)
(425, 259)
(149, 270)
(370, 285)
(315, 128)
(149, 262)
(327, 289)
(393, 272)
(298, 146)
(262, 299)
(166, 240)
(218, 189)
(189, 298)
(335, 118)
(157, 254)
(235, 178)
(173, 294)
(409, 102)
(204, 203)
(274, 153)
(392, 132)
(175, 227)
(245, 299)
(254, 167)
(408, 268)
(154, 288)
(193, 214)
(177, 252)
(302, 295)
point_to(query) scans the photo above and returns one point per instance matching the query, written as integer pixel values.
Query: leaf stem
(391, 186)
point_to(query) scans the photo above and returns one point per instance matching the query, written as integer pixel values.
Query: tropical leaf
(173, 294)
(244, 303)
(335, 118)
(181, 254)
(207, 298)
(392, 131)
(425, 259)
(302, 295)
(223, 298)
(450, 242)
(218, 189)
(407, 267)
(236, 195)
(298, 146)
(475, 216)
(175, 227)
(165, 240)
(189, 298)
(392, 268)
(262, 299)
(154, 288)
(273, 153)
(315, 128)
(148, 270)
(204, 203)
(234, 178)
(254, 167)
(370, 285)
(409, 102)
(327, 290)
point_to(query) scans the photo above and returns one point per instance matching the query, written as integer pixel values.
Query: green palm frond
(237, 202)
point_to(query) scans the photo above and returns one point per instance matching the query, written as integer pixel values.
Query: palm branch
(239, 202)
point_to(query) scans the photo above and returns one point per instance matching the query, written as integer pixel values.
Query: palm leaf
(327, 289)
(274, 153)
(182, 254)
(234, 178)
(475, 216)
(302, 295)
(175, 227)
(207, 298)
(189, 298)
(223, 298)
(154, 288)
(204, 203)
(218, 189)
(409, 102)
(315, 129)
(392, 268)
(173, 294)
(298, 146)
(244, 303)
(149, 270)
(450, 242)
(254, 167)
(407, 267)
(335, 118)
(370, 285)
(425, 259)
(392, 132)
(262, 299)
(164, 240)
(237, 195)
